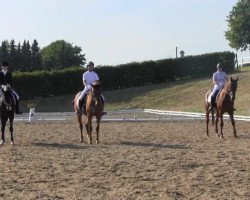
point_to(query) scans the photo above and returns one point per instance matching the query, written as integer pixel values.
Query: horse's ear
(231, 78)
(237, 78)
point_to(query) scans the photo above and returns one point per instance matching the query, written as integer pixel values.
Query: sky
(112, 32)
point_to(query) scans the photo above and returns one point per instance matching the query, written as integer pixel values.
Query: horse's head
(6, 97)
(6, 88)
(232, 87)
(96, 87)
(96, 91)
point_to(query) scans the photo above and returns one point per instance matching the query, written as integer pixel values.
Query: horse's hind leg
(216, 122)
(11, 132)
(207, 120)
(221, 127)
(233, 123)
(212, 113)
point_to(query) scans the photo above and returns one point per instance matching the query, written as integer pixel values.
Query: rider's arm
(214, 79)
(85, 83)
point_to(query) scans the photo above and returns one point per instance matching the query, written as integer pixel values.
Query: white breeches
(216, 88)
(85, 90)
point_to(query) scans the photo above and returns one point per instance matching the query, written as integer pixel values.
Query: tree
(19, 57)
(13, 55)
(36, 62)
(238, 20)
(26, 56)
(4, 51)
(61, 54)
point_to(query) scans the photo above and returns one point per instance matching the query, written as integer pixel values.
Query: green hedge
(68, 81)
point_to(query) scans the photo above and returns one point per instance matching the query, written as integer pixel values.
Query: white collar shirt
(90, 77)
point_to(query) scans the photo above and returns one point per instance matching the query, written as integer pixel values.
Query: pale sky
(114, 32)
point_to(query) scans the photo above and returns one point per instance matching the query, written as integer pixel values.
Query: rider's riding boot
(17, 107)
(80, 104)
(212, 103)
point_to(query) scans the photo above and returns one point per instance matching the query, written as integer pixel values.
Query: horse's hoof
(12, 143)
(2, 142)
(97, 142)
(89, 142)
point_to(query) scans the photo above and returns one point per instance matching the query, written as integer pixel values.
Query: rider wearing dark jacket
(6, 78)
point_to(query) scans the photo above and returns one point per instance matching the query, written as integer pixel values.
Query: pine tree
(19, 57)
(23, 65)
(13, 55)
(26, 56)
(36, 61)
(4, 51)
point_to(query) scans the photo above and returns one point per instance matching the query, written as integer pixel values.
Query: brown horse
(94, 107)
(225, 103)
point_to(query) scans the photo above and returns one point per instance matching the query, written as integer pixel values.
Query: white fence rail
(137, 115)
(243, 61)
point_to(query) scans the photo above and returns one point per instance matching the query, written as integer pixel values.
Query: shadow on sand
(173, 146)
(59, 145)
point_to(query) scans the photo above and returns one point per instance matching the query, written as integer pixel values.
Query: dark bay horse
(7, 109)
(225, 103)
(94, 107)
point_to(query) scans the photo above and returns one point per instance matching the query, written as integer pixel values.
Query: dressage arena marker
(125, 116)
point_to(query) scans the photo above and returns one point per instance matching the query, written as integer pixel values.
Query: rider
(88, 78)
(219, 79)
(6, 78)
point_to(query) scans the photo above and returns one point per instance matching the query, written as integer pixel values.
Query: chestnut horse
(94, 107)
(224, 103)
(7, 109)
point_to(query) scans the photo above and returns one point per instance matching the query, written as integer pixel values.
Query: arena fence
(136, 115)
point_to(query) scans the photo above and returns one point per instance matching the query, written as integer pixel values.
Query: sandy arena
(147, 160)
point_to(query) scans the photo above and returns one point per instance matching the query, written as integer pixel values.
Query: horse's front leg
(11, 134)
(2, 130)
(233, 123)
(11, 130)
(88, 126)
(98, 120)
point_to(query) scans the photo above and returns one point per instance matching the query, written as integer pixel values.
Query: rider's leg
(213, 96)
(16, 96)
(81, 99)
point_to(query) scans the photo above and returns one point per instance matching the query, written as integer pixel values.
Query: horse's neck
(227, 87)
